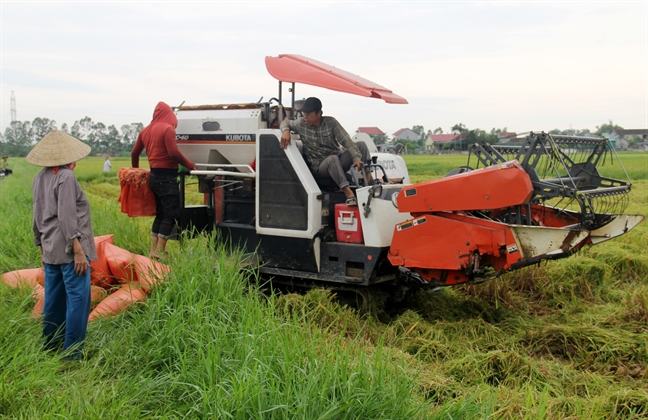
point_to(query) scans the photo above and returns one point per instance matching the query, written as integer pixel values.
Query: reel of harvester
(564, 171)
(543, 199)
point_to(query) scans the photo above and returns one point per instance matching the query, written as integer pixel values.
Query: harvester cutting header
(508, 208)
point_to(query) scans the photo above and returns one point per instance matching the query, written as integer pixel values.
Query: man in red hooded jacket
(159, 140)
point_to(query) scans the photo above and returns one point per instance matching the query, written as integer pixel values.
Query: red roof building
(372, 131)
(406, 134)
(434, 142)
(442, 138)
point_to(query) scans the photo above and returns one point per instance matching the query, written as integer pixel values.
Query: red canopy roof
(299, 69)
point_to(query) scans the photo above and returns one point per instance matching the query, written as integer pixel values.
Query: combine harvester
(517, 206)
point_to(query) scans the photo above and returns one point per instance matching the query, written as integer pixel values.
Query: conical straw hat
(57, 148)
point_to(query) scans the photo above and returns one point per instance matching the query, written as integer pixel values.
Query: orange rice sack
(100, 272)
(149, 272)
(38, 294)
(28, 277)
(120, 263)
(97, 294)
(135, 196)
(118, 301)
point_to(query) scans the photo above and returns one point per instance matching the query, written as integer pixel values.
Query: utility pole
(13, 124)
(13, 106)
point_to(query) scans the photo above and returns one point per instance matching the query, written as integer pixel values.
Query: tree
(498, 131)
(438, 130)
(97, 138)
(18, 138)
(379, 139)
(479, 136)
(462, 130)
(411, 146)
(40, 127)
(82, 128)
(110, 139)
(459, 128)
(607, 128)
(129, 133)
(419, 129)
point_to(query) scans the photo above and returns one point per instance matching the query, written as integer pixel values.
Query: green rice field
(566, 339)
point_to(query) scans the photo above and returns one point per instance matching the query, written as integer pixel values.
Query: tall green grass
(565, 339)
(206, 343)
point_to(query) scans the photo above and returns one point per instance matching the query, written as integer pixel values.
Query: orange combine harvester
(544, 198)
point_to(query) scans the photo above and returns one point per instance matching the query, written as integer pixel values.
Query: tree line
(20, 136)
(468, 136)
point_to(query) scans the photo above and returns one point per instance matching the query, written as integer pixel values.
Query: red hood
(164, 114)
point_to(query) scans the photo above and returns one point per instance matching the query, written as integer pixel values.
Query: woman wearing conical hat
(63, 232)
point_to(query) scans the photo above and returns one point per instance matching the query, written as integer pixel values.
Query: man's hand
(80, 260)
(357, 163)
(80, 263)
(285, 139)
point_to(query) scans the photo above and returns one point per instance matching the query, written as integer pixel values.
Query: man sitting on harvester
(322, 138)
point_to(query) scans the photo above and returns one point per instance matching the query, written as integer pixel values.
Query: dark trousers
(336, 166)
(165, 187)
(67, 306)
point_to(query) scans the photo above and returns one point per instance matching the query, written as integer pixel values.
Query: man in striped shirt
(322, 137)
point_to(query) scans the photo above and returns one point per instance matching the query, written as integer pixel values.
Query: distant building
(641, 132)
(636, 138)
(377, 135)
(406, 134)
(436, 142)
(372, 131)
(643, 146)
(622, 139)
(506, 137)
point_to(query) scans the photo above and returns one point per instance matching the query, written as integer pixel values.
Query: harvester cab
(265, 198)
(543, 199)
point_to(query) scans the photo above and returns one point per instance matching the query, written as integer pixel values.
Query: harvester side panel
(287, 196)
(283, 202)
(494, 187)
(444, 243)
(219, 135)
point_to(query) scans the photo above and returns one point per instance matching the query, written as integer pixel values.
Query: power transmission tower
(13, 106)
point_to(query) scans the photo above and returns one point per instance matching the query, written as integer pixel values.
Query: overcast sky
(521, 65)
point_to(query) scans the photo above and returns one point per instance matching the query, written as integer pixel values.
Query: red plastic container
(348, 227)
